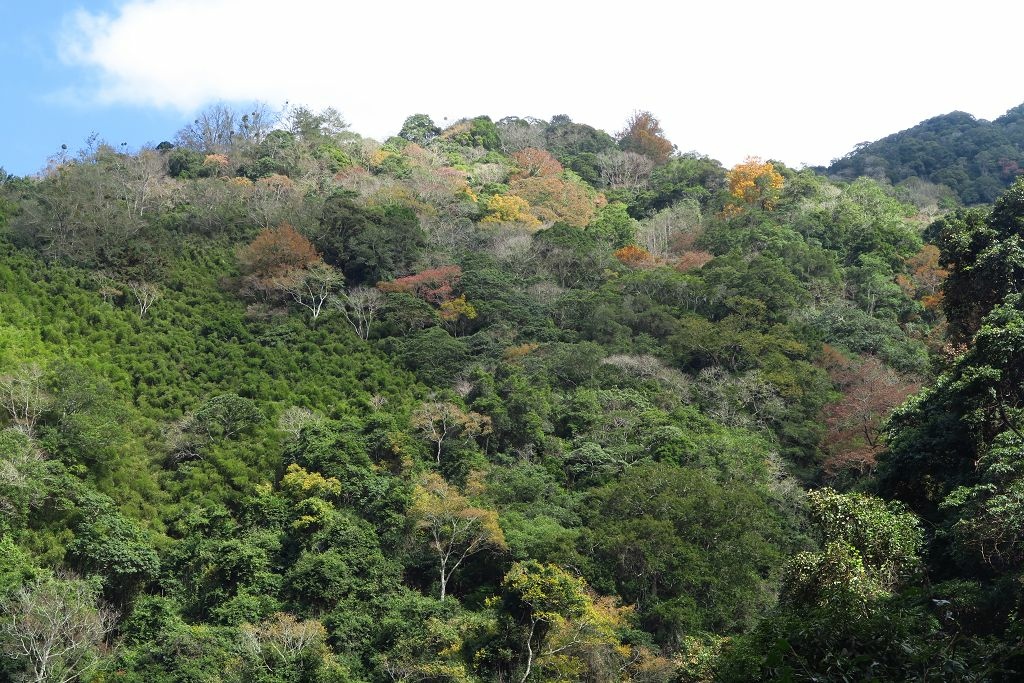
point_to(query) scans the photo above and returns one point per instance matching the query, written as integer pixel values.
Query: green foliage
(564, 138)
(614, 225)
(335, 158)
(649, 529)
(876, 544)
(435, 356)
(250, 490)
(185, 163)
(368, 244)
(277, 154)
(687, 176)
(850, 327)
(983, 254)
(476, 132)
(16, 566)
(419, 128)
(118, 550)
(978, 159)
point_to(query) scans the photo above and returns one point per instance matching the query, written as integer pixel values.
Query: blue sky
(38, 118)
(801, 81)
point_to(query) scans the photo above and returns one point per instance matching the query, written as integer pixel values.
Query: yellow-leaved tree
(568, 633)
(508, 208)
(753, 182)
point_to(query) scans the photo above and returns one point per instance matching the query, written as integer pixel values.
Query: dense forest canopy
(971, 160)
(514, 400)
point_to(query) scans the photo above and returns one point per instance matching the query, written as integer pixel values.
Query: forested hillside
(502, 401)
(972, 161)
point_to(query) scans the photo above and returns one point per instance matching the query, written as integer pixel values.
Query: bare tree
(517, 134)
(56, 627)
(295, 418)
(184, 441)
(672, 230)
(651, 367)
(310, 287)
(145, 293)
(69, 213)
(360, 306)
(254, 125)
(107, 286)
(624, 170)
(440, 420)
(23, 395)
(213, 130)
(449, 229)
(270, 200)
(20, 473)
(209, 201)
(280, 641)
(748, 400)
(516, 251)
(140, 179)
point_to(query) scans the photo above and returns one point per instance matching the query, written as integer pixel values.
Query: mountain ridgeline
(501, 401)
(973, 160)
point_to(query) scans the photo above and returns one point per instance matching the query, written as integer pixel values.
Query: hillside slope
(975, 158)
(502, 401)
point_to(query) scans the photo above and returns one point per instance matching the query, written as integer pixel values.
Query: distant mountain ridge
(975, 158)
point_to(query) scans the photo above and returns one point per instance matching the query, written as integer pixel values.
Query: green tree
(614, 225)
(419, 128)
(983, 254)
(652, 531)
(118, 550)
(368, 244)
(874, 544)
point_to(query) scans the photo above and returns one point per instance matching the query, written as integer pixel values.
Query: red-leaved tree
(435, 285)
(870, 391)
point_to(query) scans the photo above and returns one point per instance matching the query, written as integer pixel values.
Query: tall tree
(643, 135)
(55, 626)
(455, 529)
(310, 287)
(440, 421)
(564, 625)
(419, 128)
(755, 183)
(360, 306)
(984, 254)
(275, 252)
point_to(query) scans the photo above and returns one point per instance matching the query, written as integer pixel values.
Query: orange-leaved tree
(924, 281)
(643, 135)
(635, 257)
(558, 198)
(275, 252)
(533, 162)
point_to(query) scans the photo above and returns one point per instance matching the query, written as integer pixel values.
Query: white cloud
(800, 81)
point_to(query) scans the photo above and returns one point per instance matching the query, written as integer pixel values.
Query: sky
(800, 81)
